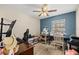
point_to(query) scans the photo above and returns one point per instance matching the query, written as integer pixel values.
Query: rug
(45, 49)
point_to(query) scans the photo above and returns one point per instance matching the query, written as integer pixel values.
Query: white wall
(77, 22)
(23, 22)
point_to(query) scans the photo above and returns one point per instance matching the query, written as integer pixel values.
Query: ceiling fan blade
(52, 10)
(47, 14)
(39, 14)
(36, 11)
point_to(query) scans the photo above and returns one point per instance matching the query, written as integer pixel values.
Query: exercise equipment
(9, 31)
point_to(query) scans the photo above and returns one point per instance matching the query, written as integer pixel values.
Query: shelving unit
(58, 29)
(58, 26)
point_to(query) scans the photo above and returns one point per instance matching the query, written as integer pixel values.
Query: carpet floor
(45, 49)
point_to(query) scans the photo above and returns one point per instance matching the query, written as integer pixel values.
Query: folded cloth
(71, 52)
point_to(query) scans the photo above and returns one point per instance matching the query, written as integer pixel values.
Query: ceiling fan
(44, 10)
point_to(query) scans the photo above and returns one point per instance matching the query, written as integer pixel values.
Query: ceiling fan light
(45, 8)
(43, 14)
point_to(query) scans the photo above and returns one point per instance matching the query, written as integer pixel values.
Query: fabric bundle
(11, 46)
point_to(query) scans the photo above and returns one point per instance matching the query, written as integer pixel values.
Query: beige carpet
(45, 49)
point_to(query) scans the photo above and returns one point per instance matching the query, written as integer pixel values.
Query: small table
(25, 49)
(43, 37)
(33, 40)
(46, 38)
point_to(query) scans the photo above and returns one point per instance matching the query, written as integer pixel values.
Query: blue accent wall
(70, 22)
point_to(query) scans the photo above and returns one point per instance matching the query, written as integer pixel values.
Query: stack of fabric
(10, 46)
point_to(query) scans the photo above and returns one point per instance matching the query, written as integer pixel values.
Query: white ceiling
(28, 8)
(61, 9)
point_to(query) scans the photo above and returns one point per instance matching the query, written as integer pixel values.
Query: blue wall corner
(70, 22)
